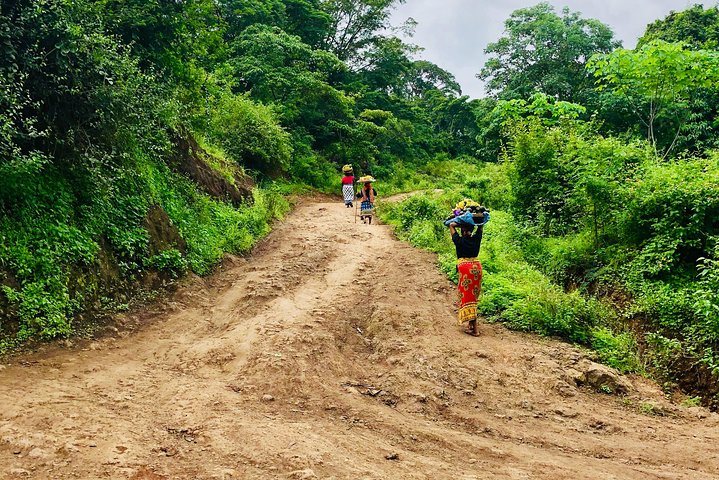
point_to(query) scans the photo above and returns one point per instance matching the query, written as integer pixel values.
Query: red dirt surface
(332, 352)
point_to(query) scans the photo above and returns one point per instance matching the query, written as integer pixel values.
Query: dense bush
(54, 232)
(514, 291)
(250, 134)
(84, 140)
(605, 216)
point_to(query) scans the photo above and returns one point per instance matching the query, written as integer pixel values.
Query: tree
(697, 27)
(240, 14)
(174, 36)
(355, 25)
(251, 135)
(546, 109)
(306, 19)
(656, 78)
(425, 76)
(385, 66)
(278, 68)
(388, 66)
(453, 121)
(545, 52)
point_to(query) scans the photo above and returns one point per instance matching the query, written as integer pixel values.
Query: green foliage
(618, 222)
(549, 110)
(311, 169)
(249, 133)
(170, 261)
(52, 249)
(307, 19)
(656, 78)
(279, 69)
(706, 296)
(695, 26)
(174, 36)
(699, 29)
(545, 52)
(514, 291)
(616, 350)
(566, 176)
(355, 26)
(672, 213)
(540, 176)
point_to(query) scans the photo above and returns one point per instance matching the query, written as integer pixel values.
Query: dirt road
(330, 353)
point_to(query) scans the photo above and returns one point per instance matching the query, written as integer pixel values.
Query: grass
(60, 229)
(516, 292)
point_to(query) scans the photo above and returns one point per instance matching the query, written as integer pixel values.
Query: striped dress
(348, 191)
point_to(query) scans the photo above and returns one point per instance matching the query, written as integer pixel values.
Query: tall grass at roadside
(515, 292)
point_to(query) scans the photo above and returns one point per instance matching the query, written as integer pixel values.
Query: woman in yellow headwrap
(367, 197)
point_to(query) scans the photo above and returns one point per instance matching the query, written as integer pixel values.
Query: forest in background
(142, 140)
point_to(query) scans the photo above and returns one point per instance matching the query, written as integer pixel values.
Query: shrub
(170, 261)
(250, 134)
(618, 350)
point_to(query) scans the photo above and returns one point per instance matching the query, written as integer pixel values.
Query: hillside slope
(331, 352)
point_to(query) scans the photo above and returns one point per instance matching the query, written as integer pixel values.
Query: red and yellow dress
(469, 286)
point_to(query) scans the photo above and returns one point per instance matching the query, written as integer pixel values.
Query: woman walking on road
(348, 185)
(469, 285)
(367, 197)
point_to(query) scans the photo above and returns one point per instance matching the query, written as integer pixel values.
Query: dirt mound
(192, 160)
(163, 233)
(332, 353)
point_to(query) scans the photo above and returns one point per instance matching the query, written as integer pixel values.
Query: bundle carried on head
(367, 179)
(347, 169)
(468, 212)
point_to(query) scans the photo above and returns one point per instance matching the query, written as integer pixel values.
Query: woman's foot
(473, 328)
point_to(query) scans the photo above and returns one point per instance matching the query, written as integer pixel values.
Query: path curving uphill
(331, 353)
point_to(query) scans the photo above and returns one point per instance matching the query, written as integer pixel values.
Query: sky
(454, 33)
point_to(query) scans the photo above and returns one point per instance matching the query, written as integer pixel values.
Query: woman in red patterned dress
(470, 272)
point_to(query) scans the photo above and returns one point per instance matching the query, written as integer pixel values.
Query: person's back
(348, 189)
(467, 245)
(469, 270)
(367, 195)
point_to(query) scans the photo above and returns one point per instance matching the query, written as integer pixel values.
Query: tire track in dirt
(331, 352)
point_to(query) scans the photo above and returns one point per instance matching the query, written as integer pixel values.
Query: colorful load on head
(347, 169)
(367, 179)
(468, 212)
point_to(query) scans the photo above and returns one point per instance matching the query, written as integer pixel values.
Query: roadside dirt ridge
(331, 353)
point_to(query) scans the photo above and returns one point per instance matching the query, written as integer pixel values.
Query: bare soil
(332, 352)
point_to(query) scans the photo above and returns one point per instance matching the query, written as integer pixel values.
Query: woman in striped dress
(348, 188)
(367, 197)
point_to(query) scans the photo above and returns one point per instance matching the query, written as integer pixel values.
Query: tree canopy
(656, 77)
(697, 27)
(546, 52)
